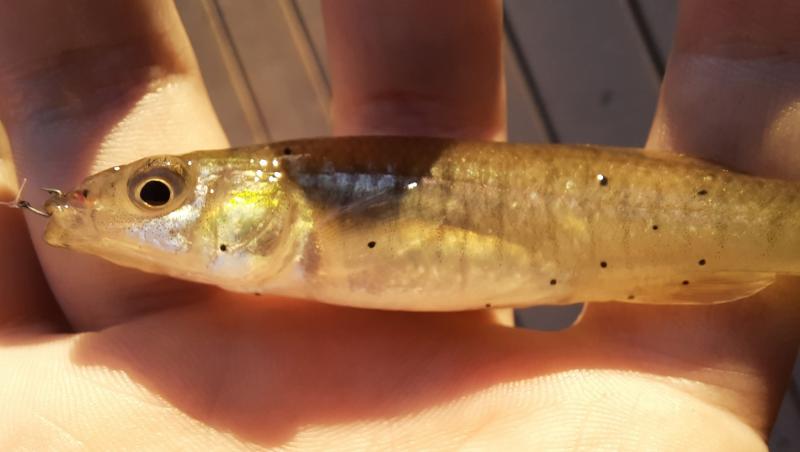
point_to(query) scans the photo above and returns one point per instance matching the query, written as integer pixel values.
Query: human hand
(113, 358)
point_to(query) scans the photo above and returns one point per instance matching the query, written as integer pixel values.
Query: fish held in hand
(436, 224)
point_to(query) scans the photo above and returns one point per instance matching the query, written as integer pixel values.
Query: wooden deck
(599, 84)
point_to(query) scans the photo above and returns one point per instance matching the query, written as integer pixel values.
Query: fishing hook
(18, 203)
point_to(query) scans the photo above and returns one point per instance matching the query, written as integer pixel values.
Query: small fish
(437, 225)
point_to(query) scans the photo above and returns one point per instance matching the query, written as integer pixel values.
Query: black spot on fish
(655, 227)
(685, 283)
(602, 179)
(702, 192)
(85, 193)
(631, 297)
(371, 244)
(258, 294)
(701, 262)
(604, 264)
(553, 282)
(287, 151)
(223, 247)
(606, 97)
(488, 305)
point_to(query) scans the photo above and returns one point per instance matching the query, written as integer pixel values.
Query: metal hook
(26, 205)
(18, 203)
(52, 191)
(21, 204)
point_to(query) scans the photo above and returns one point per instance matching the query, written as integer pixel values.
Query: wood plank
(310, 12)
(548, 318)
(590, 66)
(525, 123)
(279, 65)
(223, 76)
(661, 17)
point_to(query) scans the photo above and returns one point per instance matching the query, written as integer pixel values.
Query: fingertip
(416, 68)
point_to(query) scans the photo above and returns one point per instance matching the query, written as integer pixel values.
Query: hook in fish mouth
(53, 191)
(27, 206)
(18, 203)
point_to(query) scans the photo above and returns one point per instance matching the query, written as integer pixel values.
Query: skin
(148, 362)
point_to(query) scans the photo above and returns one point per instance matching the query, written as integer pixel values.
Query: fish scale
(439, 224)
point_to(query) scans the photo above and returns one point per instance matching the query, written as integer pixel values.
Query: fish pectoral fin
(705, 288)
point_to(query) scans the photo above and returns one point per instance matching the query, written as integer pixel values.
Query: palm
(223, 370)
(170, 364)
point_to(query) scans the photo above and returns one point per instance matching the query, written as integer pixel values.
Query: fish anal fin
(704, 288)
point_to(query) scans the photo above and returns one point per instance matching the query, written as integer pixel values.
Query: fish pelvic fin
(706, 288)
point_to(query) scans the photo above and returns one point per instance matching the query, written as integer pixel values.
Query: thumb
(87, 85)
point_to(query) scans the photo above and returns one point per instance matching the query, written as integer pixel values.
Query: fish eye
(155, 193)
(157, 188)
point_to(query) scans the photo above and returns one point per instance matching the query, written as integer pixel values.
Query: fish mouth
(66, 214)
(59, 201)
(55, 235)
(56, 203)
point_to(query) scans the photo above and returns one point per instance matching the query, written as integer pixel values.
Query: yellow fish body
(438, 224)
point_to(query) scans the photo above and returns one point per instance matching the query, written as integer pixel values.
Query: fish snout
(67, 213)
(55, 204)
(59, 202)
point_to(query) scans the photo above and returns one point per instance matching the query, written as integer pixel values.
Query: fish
(435, 224)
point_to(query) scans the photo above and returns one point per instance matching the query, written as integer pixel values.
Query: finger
(731, 90)
(86, 85)
(416, 67)
(26, 300)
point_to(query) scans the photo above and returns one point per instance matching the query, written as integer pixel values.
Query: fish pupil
(155, 193)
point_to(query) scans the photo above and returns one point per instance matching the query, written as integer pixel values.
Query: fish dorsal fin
(644, 153)
(705, 288)
(670, 156)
